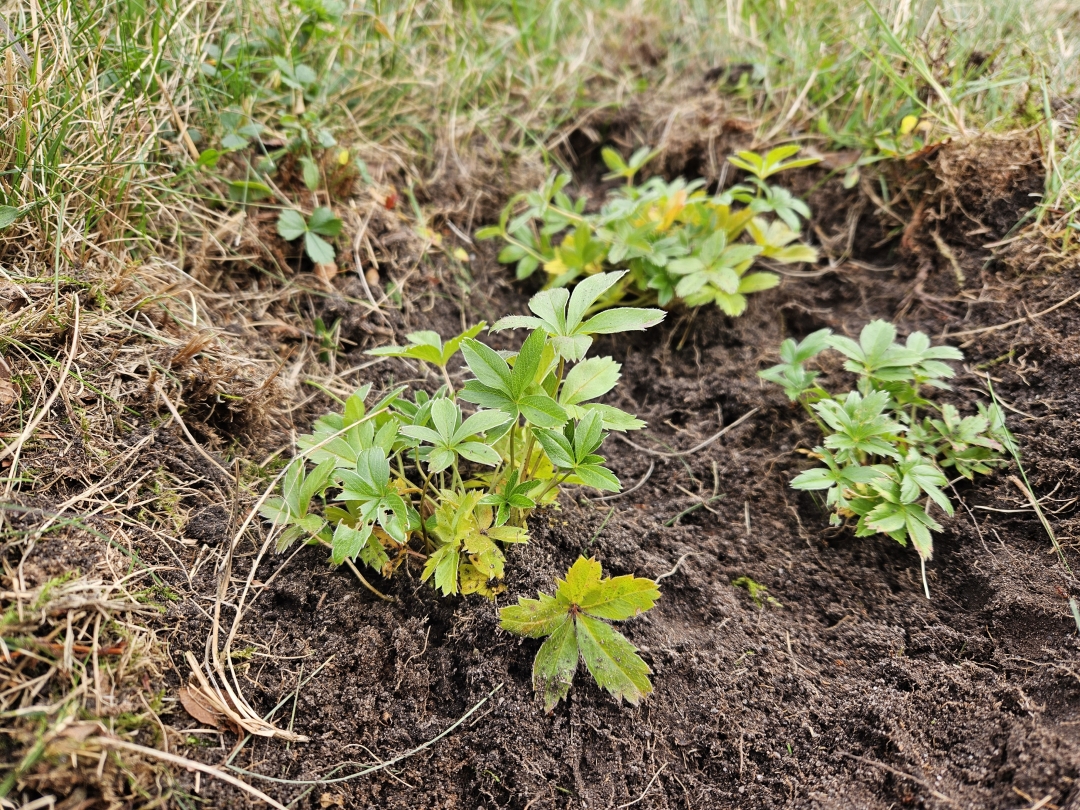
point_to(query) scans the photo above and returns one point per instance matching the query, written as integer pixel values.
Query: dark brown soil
(854, 691)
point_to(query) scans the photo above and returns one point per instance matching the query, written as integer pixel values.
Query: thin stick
(367, 584)
(656, 775)
(17, 443)
(692, 450)
(676, 567)
(381, 765)
(1014, 321)
(896, 772)
(190, 764)
(1042, 518)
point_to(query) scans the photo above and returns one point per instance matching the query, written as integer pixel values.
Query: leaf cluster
(415, 476)
(676, 241)
(292, 225)
(887, 445)
(574, 623)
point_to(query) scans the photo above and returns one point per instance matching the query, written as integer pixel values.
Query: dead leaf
(224, 702)
(326, 272)
(198, 707)
(331, 800)
(372, 276)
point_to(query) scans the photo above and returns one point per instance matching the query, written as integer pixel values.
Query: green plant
(882, 464)
(675, 240)
(292, 225)
(416, 477)
(572, 621)
(759, 594)
(329, 338)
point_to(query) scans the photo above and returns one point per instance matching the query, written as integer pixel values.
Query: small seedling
(322, 222)
(573, 623)
(676, 241)
(758, 592)
(328, 337)
(883, 462)
(416, 477)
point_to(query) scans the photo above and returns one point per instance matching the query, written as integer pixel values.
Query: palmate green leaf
(612, 660)
(597, 477)
(731, 305)
(542, 411)
(613, 160)
(557, 447)
(428, 346)
(806, 349)
(275, 510)
(584, 575)
(903, 522)
(561, 314)
(527, 363)
(425, 345)
(756, 282)
(573, 621)
(444, 563)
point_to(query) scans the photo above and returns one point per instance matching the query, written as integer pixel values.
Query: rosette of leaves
(886, 443)
(575, 624)
(677, 242)
(418, 477)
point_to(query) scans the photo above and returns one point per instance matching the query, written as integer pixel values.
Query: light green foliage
(758, 592)
(882, 463)
(573, 622)
(416, 476)
(322, 222)
(675, 241)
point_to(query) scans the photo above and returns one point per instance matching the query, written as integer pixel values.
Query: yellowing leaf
(572, 621)
(793, 254)
(612, 660)
(583, 576)
(556, 267)
(556, 663)
(534, 618)
(908, 124)
(620, 598)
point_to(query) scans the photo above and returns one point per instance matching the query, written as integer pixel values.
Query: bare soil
(850, 690)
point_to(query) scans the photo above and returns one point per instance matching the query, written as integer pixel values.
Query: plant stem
(513, 437)
(554, 482)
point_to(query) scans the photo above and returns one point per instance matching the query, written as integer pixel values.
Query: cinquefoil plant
(415, 476)
(573, 622)
(677, 241)
(887, 446)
